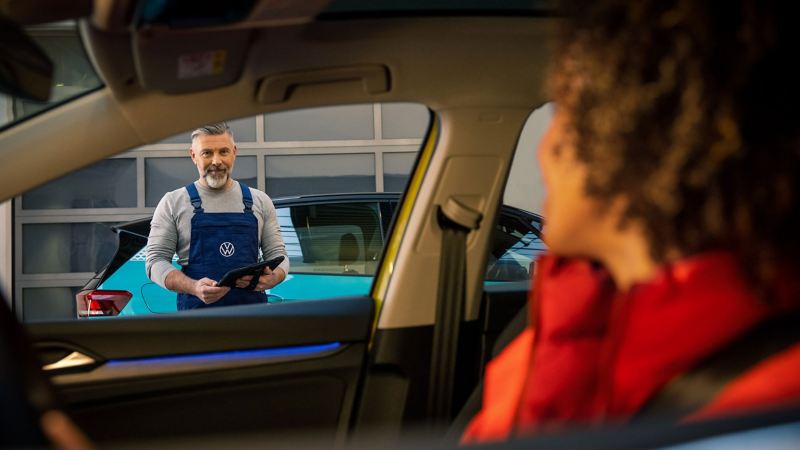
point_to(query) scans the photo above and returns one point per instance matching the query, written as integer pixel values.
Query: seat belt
(697, 388)
(456, 221)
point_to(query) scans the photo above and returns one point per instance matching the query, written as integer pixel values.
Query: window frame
(260, 149)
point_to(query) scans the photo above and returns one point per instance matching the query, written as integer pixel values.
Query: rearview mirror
(25, 70)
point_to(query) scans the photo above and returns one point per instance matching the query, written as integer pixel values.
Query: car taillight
(101, 302)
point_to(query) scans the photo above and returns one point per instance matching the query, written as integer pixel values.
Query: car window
(73, 74)
(516, 240)
(524, 188)
(66, 242)
(516, 243)
(336, 239)
(66, 236)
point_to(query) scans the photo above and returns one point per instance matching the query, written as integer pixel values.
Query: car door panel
(238, 369)
(315, 393)
(215, 329)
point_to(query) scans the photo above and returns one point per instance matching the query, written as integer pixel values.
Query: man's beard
(218, 179)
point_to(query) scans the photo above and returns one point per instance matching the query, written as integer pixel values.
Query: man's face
(214, 156)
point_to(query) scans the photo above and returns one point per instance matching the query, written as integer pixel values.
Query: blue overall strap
(247, 197)
(194, 197)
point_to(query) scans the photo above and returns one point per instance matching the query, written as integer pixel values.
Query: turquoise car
(334, 243)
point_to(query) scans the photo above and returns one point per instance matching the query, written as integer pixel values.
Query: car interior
(383, 365)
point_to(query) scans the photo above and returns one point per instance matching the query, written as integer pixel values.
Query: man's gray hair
(213, 130)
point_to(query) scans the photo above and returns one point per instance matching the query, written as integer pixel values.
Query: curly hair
(688, 108)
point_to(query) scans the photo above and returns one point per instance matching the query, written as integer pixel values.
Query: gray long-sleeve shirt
(171, 227)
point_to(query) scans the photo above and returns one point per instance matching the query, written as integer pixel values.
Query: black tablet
(229, 279)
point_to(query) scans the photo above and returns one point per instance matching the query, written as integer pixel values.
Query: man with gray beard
(214, 224)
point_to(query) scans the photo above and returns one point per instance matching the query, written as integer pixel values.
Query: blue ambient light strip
(239, 355)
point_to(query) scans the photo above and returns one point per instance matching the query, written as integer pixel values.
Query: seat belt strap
(697, 388)
(456, 221)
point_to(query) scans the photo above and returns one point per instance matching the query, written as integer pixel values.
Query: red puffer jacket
(591, 355)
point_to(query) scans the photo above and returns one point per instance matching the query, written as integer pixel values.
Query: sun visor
(182, 61)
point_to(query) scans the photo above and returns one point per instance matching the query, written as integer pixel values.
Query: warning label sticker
(201, 64)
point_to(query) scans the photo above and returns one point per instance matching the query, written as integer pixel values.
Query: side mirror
(25, 70)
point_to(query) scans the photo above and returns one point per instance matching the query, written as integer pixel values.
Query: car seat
(348, 252)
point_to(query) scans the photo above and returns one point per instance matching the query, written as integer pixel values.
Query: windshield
(73, 74)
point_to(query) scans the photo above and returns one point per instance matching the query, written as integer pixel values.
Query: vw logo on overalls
(227, 249)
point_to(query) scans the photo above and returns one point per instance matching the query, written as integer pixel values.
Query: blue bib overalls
(221, 242)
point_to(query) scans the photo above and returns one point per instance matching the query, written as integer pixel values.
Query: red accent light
(101, 303)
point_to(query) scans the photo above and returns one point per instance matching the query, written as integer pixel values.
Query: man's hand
(207, 290)
(267, 280)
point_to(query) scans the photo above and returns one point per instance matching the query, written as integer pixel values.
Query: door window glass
(67, 247)
(63, 236)
(404, 120)
(244, 130)
(107, 184)
(320, 174)
(167, 174)
(48, 303)
(337, 239)
(396, 169)
(331, 123)
(524, 188)
(516, 243)
(73, 74)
